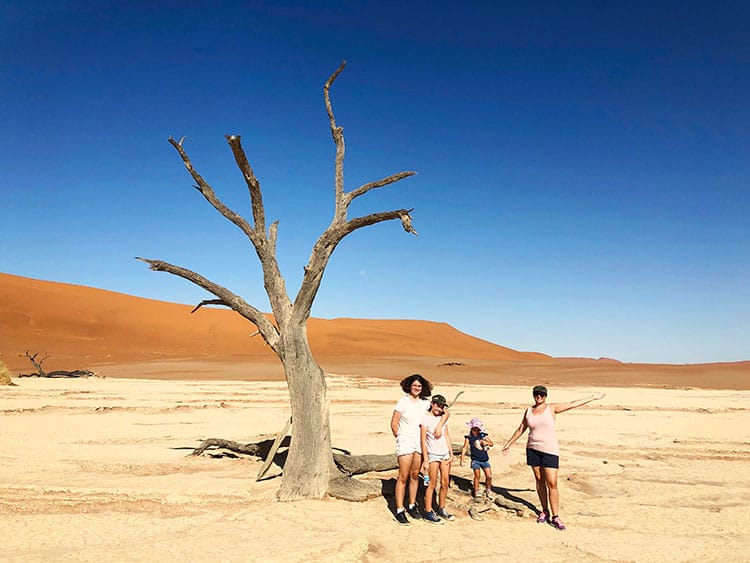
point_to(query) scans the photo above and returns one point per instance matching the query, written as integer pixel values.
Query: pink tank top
(542, 436)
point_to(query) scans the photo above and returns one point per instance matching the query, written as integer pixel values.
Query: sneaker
(432, 518)
(401, 518)
(489, 495)
(414, 512)
(542, 518)
(557, 523)
(444, 515)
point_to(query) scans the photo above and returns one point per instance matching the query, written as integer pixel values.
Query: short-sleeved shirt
(435, 446)
(412, 412)
(478, 453)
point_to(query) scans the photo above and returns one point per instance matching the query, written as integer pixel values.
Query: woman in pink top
(543, 451)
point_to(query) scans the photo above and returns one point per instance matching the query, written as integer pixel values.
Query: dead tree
(309, 471)
(56, 373)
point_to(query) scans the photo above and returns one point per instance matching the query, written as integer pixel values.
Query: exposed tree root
(342, 486)
(359, 464)
(353, 490)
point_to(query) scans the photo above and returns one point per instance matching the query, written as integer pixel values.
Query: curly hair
(426, 385)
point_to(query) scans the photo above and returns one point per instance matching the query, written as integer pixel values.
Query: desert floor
(96, 470)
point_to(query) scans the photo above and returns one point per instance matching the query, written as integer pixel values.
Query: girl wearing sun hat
(478, 443)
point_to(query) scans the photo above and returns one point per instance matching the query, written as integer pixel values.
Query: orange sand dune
(81, 326)
(124, 336)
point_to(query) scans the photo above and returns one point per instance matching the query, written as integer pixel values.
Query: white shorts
(406, 445)
(438, 457)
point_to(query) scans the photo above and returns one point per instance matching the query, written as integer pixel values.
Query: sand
(96, 469)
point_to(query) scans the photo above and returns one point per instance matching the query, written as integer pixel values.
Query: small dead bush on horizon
(5, 375)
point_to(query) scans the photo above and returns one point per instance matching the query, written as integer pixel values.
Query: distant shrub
(5, 375)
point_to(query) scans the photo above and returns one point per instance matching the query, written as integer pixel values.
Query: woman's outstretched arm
(562, 407)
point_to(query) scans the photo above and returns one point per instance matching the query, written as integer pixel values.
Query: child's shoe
(542, 518)
(444, 515)
(401, 518)
(432, 518)
(489, 495)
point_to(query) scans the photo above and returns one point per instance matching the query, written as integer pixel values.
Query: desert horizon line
(525, 355)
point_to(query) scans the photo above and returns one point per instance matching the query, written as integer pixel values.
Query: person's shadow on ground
(388, 491)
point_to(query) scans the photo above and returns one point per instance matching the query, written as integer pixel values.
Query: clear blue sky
(584, 167)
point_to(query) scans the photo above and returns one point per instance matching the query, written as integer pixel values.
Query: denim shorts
(536, 458)
(438, 457)
(476, 464)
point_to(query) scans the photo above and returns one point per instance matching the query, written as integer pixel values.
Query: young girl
(478, 443)
(436, 460)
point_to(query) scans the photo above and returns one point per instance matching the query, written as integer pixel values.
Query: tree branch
(267, 330)
(256, 197)
(340, 226)
(363, 189)
(338, 138)
(37, 365)
(209, 302)
(374, 218)
(327, 243)
(204, 188)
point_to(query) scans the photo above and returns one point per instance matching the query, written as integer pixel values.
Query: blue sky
(583, 167)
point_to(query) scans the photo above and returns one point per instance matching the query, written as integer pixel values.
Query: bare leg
(429, 493)
(476, 482)
(445, 476)
(541, 487)
(550, 477)
(416, 463)
(488, 478)
(404, 469)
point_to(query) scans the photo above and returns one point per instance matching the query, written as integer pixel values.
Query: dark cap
(540, 390)
(439, 400)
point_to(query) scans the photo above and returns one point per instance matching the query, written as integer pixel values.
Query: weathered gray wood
(274, 448)
(351, 489)
(455, 399)
(54, 374)
(255, 449)
(359, 464)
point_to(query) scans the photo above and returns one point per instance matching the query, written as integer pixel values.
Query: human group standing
(406, 421)
(423, 443)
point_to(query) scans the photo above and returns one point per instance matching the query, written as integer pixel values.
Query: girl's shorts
(407, 445)
(438, 457)
(476, 464)
(536, 458)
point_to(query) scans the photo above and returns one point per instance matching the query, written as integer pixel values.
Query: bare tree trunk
(309, 465)
(309, 471)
